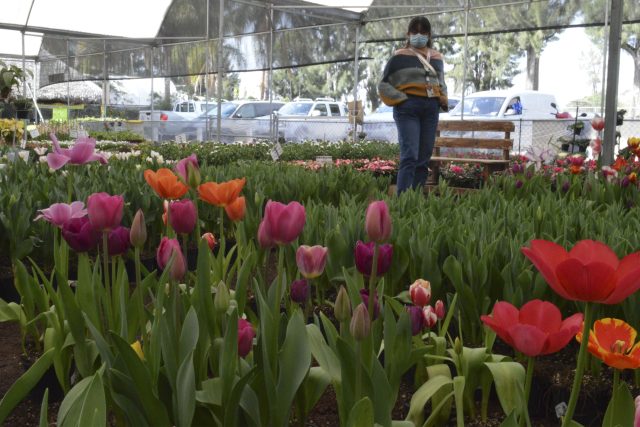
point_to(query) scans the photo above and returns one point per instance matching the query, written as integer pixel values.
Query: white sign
(181, 138)
(278, 148)
(274, 154)
(33, 132)
(324, 160)
(73, 133)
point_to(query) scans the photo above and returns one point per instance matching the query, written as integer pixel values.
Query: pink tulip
(59, 213)
(182, 216)
(105, 211)
(82, 152)
(420, 292)
(311, 260)
(167, 248)
(211, 240)
(182, 169)
(597, 123)
(378, 222)
(79, 234)
(430, 317)
(118, 242)
(439, 309)
(282, 224)
(245, 337)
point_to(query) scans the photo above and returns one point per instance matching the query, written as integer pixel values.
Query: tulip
(165, 183)
(614, 342)
(81, 153)
(182, 216)
(430, 317)
(211, 240)
(360, 326)
(138, 232)
(59, 213)
(439, 309)
(105, 211)
(222, 298)
(417, 319)
(590, 272)
(597, 123)
(364, 295)
(311, 260)
(342, 306)
(79, 234)
(378, 222)
(420, 292)
(245, 337)
(536, 329)
(222, 194)
(166, 249)
(299, 291)
(118, 241)
(236, 209)
(137, 347)
(364, 258)
(282, 224)
(189, 171)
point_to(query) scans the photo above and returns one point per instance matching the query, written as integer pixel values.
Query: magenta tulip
(59, 213)
(182, 216)
(417, 319)
(82, 152)
(439, 309)
(105, 211)
(364, 258)
(378, 222)
(282, 224)
(183, 166)
(364, 295)
(245, 337)
(80, 234)
(118, 242)
(299, 291)
(311, 260)
(165, 250)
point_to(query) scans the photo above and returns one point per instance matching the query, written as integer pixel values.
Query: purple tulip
(518, 184)
(182, 216)
(105, 211)
(565, 186)
(625, 182)
(82, 152)
(311, 260)
(59, 213)
(378, 222)
(364, 258)
(282, 224)
(245, 337)
(79, 234)
(182, 169)
(299, 291)
(118, 242)
(417, 319)
(364, 294)
(166, 248)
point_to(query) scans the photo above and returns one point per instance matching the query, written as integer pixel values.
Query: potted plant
(23, 107)
(10, 76)
(576, 127)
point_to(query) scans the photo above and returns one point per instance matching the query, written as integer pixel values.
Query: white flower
(42, 159)
(40, 150)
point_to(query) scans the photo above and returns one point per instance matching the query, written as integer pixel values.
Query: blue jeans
(417, 121)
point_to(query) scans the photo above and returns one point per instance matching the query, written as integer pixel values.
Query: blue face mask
(418, 40)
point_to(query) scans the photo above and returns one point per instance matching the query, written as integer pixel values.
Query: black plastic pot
(23, 114)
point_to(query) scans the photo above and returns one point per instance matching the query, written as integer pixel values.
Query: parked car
(506, 105)
(243, 109)
(320, 107)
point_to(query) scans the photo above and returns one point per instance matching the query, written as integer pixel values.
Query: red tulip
(245, 337)
(105, 211)
(79, 234)
(59, 213)
(420, 292)
(311, 260)
(430, 317)
(118, 242)
(282, 224)
(165, 250)
(182, 216)
(299, 291)
(536, 329)
(597, 123)
(378, 222)
(82, 152)
(590, 272)
(364, 258)
(439, 309)
(211, 240)
(184, 166)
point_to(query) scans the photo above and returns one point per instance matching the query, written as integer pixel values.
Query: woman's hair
(420, 24)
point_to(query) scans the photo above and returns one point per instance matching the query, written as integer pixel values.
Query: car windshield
(295, 109)
(383, 109)
(227, 109)
(488, 106)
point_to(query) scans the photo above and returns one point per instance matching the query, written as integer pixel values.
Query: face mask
(418, 40)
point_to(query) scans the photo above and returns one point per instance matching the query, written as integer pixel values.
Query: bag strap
(425, 61)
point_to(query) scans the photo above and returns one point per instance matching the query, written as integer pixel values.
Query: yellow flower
(137, 347)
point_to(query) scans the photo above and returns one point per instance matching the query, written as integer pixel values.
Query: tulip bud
(430, 317)
(420, 292)
(299, 291)
(342, 307)
(597, 123)
(360, 326)
(439, 309)
(193, 175)
(137, 347)
(211, 240)
(245, 337)
(138, 232)
(378, 221)
(457, 346)
(221, 300)
(167, 249)
(417, 319)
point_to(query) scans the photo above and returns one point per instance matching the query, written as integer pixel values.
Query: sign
(274, 154)
(356, 113)
(33, 132)
(278, 148)
(324, 160)
(83, 133)
(181, 138)
(73, 133)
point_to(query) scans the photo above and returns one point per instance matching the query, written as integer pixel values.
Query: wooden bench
(504, 144)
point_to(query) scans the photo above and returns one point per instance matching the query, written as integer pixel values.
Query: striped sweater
(405, 75)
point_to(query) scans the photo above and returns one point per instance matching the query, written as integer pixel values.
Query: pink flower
(79, 234)
(636, 422)
(182, 216)
(282, 224)
(311, 260)
(167, 248)
(364, 258)
(82, 152)
(597, 123)
(105, 211)
(439, 309)
(59, 213)
(430, 317)
(378, 221)
(420, 292)
(245, 337)
(182, 169)
(457, 170)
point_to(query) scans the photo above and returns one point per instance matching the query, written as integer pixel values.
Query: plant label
(561, 409)
(34, 133)
(73, 133)
(181, 138)
(278, 148)
(274, 154)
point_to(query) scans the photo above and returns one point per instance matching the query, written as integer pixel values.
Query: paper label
(181, 138)
(34, 133)
(274, 154)
(278, 148)
(561, 409)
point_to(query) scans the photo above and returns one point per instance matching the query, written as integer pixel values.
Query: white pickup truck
(182, 110)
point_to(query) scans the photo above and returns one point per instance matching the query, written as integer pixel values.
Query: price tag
(561, 409)
(33, 132)
(274, 154)
(181, 138)
(278, 148)
(73, 133)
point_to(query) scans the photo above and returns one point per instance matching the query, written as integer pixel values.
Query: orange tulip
(222, 194)
(236, 209)
(165, 183)
(612, 341)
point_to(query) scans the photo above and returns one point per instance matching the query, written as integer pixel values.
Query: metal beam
(613, 68)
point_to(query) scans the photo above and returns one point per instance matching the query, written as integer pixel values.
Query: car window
(227, 109)
(480, 106)
(247, 111)
(322, 108)
(296, 109)
(335, 109)
(183, 107)
(264, 109)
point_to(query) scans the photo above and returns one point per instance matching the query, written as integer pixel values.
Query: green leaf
(458, 393)
(361, 414)
(88, 403)
(24, 384)
(313, 387)
(10, 312)
(510, 421)
(509, 380)
(186, 391)
(44, 418)
(621, 409)
(423, 395)
(325, 356)
(189, 334)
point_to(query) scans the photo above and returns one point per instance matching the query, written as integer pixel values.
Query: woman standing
(413, 83)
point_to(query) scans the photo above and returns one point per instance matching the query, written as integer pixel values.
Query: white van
(503, 105)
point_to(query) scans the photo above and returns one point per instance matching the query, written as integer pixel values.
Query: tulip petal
(81, 153)
(56, 161)
(608, 331)
(545, 256)
(591, 282)
(559, 339)
(589, 251)
(628, 278)
(541, 314)
(528, 339)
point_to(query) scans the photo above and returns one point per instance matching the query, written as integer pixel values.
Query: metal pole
(153, 53)
(605, 45)
(68, 72)
(355, 86)
(615, 31)
(466, 52)
(24, 90)
(270, 74)
(207, 69)
(105, 91)
(220, 67)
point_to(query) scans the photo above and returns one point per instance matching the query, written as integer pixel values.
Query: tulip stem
(616, 382)
(184, 251)
(136, 254)
(372, 282)
(582, 357)
(107, 282)
(358, 385)
(195, 204)
(222, 250)
(527, 388)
